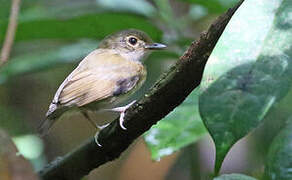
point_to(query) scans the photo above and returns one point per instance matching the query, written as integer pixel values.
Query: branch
(170, 91)
(10, 33)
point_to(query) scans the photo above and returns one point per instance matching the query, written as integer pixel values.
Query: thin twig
(170, 91)
(10, 33)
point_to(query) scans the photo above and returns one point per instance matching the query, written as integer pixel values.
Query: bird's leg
(99, 128)
(85, 114)
(122, 110)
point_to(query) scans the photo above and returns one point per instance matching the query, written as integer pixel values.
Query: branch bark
(10, 33)
(170, 91)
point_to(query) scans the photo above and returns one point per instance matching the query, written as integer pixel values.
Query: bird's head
(131, 44)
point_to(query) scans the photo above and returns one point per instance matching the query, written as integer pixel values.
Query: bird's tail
(45, 126)
(52, 115)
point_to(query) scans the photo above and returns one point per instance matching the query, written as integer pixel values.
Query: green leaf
(279, 158)
(180, 128)
(37, 61)
(234, 177)
(214, 6)
(249, 70)
(86, 26)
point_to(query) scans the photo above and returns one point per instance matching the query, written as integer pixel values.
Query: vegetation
(245, 91)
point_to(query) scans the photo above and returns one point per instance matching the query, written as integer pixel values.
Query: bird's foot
(122, 110)
(96, 139)
(96, 134)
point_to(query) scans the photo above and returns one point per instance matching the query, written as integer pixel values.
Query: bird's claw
(122, 110)
(96, 139)
(121, 120)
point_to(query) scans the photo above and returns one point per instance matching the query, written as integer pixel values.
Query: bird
(105, 78)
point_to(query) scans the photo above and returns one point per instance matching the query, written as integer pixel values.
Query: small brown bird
(104, 78)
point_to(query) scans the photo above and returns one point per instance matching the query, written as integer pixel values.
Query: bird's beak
(155, 46)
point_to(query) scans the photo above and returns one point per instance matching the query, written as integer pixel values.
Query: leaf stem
(10, 33)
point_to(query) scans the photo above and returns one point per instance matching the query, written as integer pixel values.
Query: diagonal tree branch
(170, 91)
(10, 33)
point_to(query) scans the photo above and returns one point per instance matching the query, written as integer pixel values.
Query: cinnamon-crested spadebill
(104, 78)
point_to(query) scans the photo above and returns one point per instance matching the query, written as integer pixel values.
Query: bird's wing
(98, 77)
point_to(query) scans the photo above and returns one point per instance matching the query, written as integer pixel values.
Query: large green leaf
(180, 128)
(279, 159)
(249, 70)
(234, 177)
(37, 61)
(86, 26)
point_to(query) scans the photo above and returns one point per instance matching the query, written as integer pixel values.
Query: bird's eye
(132, 40)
